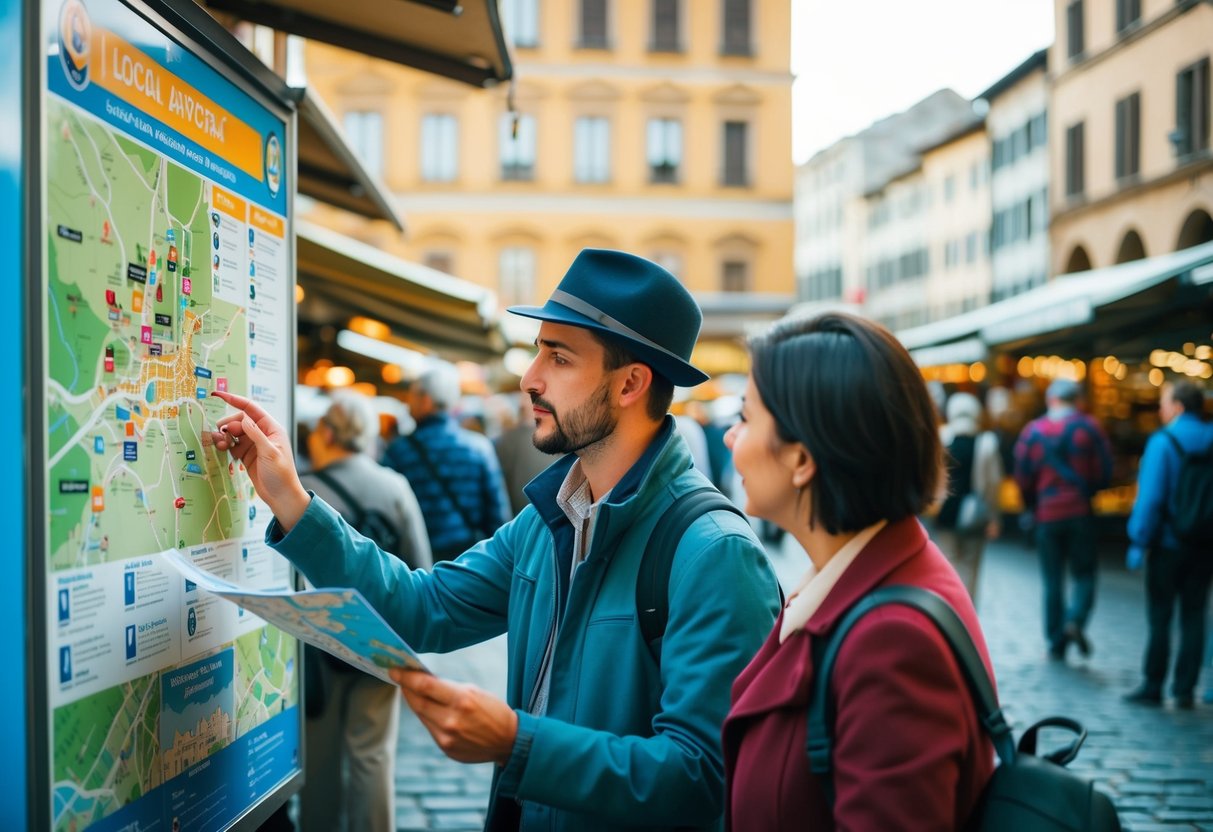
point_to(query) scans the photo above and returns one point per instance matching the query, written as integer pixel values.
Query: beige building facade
(661, 128)
(1131, 168)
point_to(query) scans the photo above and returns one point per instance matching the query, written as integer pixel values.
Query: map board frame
(210, 52)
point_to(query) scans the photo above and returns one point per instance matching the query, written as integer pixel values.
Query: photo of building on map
(139, 335)
(198, 714)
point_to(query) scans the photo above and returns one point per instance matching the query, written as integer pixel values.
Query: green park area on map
(136, 341)
(106, 752)
(266, 667)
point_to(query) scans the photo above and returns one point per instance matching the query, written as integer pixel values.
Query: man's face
(1168, 408)
(419, 402)
(572, 395)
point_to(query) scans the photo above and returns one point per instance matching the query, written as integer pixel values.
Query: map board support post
(14, 737)
(157, 255)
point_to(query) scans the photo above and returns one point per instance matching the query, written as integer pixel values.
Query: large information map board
(168, 275)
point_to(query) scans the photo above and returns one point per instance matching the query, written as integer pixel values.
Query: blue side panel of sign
(14, 811)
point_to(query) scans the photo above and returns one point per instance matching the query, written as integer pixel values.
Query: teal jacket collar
(665, 458)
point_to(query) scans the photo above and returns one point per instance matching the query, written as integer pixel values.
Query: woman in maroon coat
(838, 446)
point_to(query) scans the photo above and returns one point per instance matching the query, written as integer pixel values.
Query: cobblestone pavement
(1156, 763)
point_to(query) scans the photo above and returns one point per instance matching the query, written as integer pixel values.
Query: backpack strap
(359, 513)
(819, 734)
(653, 577)
(474, 528)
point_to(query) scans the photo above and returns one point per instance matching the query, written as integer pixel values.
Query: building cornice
(1193, 168)
(691, 207)
(699, 75)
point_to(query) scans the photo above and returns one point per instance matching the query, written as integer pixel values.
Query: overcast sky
(858, 60)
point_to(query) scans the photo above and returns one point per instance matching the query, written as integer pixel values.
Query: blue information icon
(65, 665)
(128, 588)
(191, 622)
(65, 611)
(130, 641)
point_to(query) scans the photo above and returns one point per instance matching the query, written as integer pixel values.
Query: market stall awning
(330, 172)
(343, 278)
(1084, 300)
(460, 40)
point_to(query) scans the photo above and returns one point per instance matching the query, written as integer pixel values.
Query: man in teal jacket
(594, 733)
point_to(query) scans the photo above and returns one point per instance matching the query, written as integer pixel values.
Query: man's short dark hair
(1189, 396)
(846, 389)
(616, 355)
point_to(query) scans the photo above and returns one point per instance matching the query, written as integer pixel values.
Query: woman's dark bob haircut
(846, 389)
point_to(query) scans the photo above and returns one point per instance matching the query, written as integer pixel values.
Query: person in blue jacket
(595, 733)
(1174, 572)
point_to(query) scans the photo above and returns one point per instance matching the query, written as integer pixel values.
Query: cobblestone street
(1156, 763)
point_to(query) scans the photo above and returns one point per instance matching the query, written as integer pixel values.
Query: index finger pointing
(249, 406)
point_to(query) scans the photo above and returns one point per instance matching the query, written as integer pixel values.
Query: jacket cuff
(515, 767)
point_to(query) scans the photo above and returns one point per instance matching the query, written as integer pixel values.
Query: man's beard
(585, 425)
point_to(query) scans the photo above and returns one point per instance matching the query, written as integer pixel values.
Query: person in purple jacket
(1061, 460)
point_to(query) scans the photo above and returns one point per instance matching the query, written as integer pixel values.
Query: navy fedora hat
(633, 301)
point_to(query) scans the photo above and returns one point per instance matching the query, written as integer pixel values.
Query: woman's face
(764, 461)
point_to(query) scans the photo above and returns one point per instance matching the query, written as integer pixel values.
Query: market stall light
(299, 293)
(369, 327)
(1122, 371)
(1204, 352)
(977, 372)
(1192, 368)
(1110, 364)
(1026, 367)
(365, 388)
(1189, 348)
(339, 376)
(1080, 369)
(391, 373)
(1158, 358)
(1157, 377)
(1206, 371)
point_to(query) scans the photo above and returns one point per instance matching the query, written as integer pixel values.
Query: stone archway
(1197, 229)
(1079, 261)
(1131, 247)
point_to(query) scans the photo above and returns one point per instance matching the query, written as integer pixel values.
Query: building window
(949, 188)
(516, 140)
(1075, 42)
(1128, 136)
(664, 149)
(516, 276)
(1192, 109)
(1128, 12)
(592, 149)
(735, 31)
(593, 24)
(364, 129)
(666, 30)
(1075, 179)
(735, 171)
(735, 276)
(439, 147)
(439, 260)
(971, 247)
(522, 22)
(671, 261)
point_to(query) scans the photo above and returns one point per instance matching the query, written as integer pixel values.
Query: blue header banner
(124, 71)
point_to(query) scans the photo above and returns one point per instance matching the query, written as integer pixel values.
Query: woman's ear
(803, 466)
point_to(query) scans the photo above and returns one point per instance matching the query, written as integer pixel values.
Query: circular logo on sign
(273, 163)
(75, 36)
